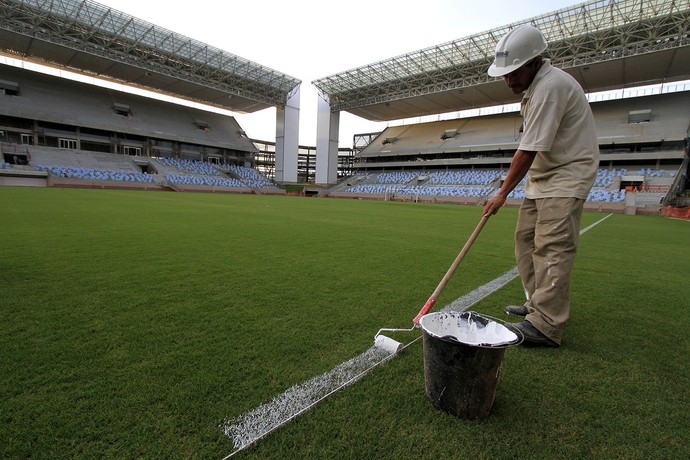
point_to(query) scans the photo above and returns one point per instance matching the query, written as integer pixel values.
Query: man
(559, 153)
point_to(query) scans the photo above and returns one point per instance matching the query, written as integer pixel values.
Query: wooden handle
(465, 249)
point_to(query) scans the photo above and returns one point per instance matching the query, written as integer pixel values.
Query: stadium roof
(97, 40)
(603, 44)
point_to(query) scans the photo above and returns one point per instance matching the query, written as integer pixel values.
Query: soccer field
(134, 324)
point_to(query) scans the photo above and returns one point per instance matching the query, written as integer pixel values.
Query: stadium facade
(605, 45)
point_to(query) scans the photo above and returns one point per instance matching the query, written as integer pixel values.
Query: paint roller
(393, 346)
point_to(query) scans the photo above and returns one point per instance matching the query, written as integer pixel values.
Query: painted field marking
(258, 423)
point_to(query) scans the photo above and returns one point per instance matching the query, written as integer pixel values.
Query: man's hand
(519, 166)
(492, 206)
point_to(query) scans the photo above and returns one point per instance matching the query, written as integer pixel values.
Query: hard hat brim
(495, 71)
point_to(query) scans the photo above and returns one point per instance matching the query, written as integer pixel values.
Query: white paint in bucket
(469, 328)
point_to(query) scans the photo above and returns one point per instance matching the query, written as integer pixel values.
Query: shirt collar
(543, 70)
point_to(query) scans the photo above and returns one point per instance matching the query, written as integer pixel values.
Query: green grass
(134, 323)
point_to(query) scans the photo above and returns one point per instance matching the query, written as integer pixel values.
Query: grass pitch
(134, 323)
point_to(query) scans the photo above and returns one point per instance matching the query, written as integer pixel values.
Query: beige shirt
(559, 126)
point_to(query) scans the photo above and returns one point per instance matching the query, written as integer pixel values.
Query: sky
(310, 39)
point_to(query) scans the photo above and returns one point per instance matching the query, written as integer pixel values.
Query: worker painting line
(252, 426)
(558, 157)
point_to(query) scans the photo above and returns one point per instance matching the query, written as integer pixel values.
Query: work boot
(516, 310)
(532, 335)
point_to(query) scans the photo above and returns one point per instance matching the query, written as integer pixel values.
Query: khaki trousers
(546, 239)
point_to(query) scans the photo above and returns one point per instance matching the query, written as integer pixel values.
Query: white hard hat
(516, 48)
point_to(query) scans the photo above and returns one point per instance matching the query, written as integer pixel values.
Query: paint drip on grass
(251, 426)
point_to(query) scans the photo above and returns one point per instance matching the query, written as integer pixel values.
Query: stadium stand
(251, 177)
(75, 134)
(115, 121)
(80, 135)
(91, 136)
(465, 160)
(95, 174)
(442, 185)
(644, 132)
(79, 168)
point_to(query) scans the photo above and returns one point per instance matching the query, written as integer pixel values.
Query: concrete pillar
(327, 131)
(287, 140)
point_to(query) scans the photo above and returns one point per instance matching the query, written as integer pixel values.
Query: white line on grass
(256, 424)
(585, 230)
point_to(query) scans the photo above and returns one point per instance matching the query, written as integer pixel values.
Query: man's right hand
(492, 206)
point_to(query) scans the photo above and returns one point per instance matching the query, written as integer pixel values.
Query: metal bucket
(463, 354)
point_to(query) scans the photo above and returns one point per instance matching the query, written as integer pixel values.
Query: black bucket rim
(451, 339)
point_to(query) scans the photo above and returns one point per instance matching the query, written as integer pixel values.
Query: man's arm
(522, 160)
